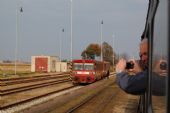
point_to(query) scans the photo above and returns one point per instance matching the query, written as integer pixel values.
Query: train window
(78, 66)
(88, 66)
(159, 58)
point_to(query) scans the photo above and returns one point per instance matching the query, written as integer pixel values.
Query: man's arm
(132, 84)
(158, 85)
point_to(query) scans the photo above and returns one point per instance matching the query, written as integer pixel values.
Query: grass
(7, 70)
(10, 73)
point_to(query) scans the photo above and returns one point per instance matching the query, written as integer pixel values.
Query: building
(43, 63)
(61, 66)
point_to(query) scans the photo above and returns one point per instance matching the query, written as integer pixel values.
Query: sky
(41, 22)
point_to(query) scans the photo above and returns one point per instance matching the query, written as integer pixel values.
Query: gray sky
(41, 22)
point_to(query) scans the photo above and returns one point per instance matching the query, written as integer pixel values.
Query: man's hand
(157, 68)
(121, 65)
(136, 68)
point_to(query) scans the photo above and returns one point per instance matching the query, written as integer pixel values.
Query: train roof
(84, 61)
(87, 61)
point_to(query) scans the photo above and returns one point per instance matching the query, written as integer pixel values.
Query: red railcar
(88, 71)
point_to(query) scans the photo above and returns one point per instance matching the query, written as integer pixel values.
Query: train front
(83, 71)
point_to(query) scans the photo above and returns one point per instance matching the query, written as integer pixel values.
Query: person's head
(144, 51)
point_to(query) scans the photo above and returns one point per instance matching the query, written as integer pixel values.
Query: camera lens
(129, 65)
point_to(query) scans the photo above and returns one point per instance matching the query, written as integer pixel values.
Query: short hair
(144, 41)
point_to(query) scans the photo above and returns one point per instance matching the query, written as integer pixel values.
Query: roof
(84, 61)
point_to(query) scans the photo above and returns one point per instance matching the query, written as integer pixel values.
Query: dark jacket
(137, 84)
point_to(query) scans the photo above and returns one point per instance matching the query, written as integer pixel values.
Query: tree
(65, 60)
(108, 53)
(91, 51)
(94, 50)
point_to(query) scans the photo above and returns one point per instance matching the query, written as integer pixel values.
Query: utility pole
(101, 39)
(71, 18)
(113, 36)
(60, 36)
(17, 35)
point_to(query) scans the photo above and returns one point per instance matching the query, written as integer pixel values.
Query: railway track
(20, 80)
(16, 105)
(15, 85)
(5, 92)
(59, 87)
(101, 97)
(17, 91)
(97, 101)
(109, 100)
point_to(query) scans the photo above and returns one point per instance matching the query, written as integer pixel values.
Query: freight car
(89, 71)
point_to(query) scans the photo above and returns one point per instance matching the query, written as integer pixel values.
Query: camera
(163, 66)
(129, 65)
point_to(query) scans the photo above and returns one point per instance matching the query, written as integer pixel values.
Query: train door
(157, 27)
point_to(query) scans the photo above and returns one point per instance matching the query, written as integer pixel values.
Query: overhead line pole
(71, 57)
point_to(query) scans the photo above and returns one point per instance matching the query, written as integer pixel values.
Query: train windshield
(78, 66)
(88, 66)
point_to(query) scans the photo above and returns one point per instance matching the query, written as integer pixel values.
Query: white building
(48, 64)
(43, 63)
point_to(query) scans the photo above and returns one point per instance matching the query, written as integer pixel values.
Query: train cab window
(88, 66)
(159, 58)
(78, 66)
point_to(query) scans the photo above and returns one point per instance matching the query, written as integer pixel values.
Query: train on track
(89, 71)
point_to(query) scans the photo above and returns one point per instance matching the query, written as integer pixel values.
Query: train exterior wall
(96, 70)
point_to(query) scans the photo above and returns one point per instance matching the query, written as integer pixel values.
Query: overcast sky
(40, 24)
